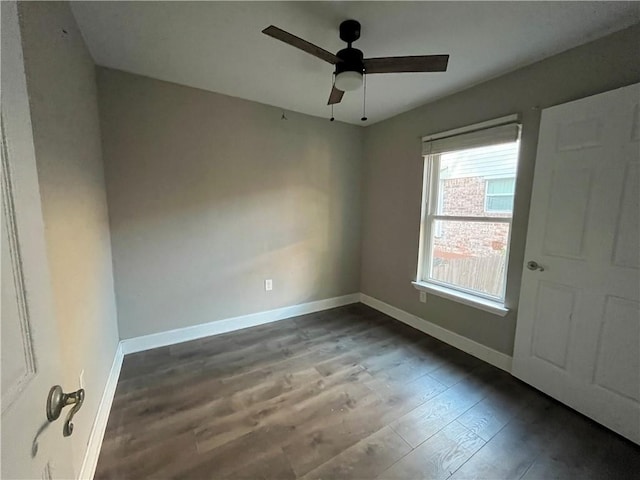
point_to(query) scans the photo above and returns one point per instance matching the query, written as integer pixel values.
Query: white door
(578, 331)
(31, 446)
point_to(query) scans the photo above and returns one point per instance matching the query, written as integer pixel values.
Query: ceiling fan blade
(335, 96)
(303, 45)
(418, 63)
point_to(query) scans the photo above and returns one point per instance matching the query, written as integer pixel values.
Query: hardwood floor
(346, 393)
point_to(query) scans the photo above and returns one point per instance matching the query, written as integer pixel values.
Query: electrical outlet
(423, 297)
(268, 285)
(81, 379)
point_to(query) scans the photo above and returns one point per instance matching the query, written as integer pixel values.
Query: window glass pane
(470, 255)
(502, 203)
(468, 178)
(501, 185)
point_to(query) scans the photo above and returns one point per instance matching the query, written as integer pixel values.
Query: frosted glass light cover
(347, 81)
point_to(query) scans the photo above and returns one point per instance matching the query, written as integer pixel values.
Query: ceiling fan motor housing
(352, 60)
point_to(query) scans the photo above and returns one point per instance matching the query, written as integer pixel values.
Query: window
(499, 194)
(468, 197)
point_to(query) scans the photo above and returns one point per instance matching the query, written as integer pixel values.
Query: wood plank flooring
(347, 393)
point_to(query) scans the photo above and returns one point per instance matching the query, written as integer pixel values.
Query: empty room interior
(320, 240)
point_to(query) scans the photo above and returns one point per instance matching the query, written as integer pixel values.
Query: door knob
(531, 265)
(57, 400)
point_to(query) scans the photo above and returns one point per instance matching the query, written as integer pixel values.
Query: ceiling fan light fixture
(348, 81)
(350, 64)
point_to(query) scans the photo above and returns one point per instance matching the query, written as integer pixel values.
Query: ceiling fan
(350, 62)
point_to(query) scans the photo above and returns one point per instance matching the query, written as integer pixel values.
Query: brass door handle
(57, 400)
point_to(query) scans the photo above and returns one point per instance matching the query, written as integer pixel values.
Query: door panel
(619, 330)
(18, 356)
(569, 198)
(553, 323)
(576, 135)
(578, 331)
(627, 231)
(31, 446)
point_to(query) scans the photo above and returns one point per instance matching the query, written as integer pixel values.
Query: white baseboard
(170, 337)
(147, 342)
(489, 355)
(90, 460)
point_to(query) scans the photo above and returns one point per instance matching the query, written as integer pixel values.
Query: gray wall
(393, 175)
(64, 112)
(209, 195)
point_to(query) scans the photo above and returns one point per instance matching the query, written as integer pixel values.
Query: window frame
(431, 190)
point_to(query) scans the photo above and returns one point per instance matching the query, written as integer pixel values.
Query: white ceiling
(218, 46)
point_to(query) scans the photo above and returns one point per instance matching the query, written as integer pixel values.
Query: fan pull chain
(364, 98)
(333, 84)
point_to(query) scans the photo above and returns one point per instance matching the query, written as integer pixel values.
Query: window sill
(490, 306)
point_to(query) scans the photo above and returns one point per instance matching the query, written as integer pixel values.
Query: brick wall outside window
(466, 197)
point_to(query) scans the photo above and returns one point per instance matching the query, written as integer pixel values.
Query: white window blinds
(481, 135)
